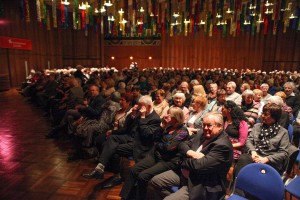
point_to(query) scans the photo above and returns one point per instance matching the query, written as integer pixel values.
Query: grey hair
(217, 116)
(194, 82)
(248, 92)
(147, 100)
(276, 100)
(292, 84)
(179, 95)
(232, 84)
(264, 85)
(177, 113)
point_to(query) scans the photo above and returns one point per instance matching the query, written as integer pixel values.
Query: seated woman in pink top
(235, 126)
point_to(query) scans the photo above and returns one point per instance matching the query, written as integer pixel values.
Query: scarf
(265, 135)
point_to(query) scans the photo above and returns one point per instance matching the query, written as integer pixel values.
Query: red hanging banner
(15, 43)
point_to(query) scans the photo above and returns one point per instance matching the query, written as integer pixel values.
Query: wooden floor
(32, 167)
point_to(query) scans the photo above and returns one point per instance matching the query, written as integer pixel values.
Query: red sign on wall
(15, 43)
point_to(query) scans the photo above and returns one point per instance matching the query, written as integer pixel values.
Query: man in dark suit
(136, 139)
(208, 157)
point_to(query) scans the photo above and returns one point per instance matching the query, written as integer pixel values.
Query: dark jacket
(208, 175)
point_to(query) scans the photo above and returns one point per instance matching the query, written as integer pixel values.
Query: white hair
(179, 95)
(292, 84)
(276, 100)
(248, 92)
(147, 100)
(232, 84)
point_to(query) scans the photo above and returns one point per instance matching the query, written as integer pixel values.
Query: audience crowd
(189, 129)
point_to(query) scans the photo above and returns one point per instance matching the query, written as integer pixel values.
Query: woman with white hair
(178, 100)
(250, 107)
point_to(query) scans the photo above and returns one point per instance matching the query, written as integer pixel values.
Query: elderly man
(135, 139)
(232, 95)
(208, 157)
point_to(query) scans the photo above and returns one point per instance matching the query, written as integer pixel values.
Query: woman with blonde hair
(194, 121)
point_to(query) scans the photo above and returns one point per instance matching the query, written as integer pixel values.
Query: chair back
(261, 181)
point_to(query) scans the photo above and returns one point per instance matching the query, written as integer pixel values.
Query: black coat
(207, 176)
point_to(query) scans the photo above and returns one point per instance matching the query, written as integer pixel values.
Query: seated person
(208, 157)
(160, 105)
(164, 157)
(136, 139)
(194, 121)
(267, 142)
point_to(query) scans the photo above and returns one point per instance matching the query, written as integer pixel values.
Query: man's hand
(194, 154)
(143, 111)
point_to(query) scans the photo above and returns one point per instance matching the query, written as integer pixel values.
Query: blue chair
(293, 185)
(259, 180)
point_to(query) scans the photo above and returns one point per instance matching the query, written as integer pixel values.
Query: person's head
(281, 94)
(248, 96)
(110, 82)
(221, 95)
(115, 96)
(258, 95)
(136, 90)
(121, 85)
(275, 100)
(125, 100)
(233, 111)
(199, 103)
(271, 113)
(194, 82)
(94, 90)
(244, 86)
(198, 91)
(289, 88)
(147, 102)
(212, 124)
(177, 116)
(179, 99)
(184, 87)
(264, 88)
(213, 87)
(159, 95)
(166, 87)
(230, 87)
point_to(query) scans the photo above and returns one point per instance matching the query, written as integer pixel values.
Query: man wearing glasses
(208, 157)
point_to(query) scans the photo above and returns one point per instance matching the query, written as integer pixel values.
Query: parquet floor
(32, 167)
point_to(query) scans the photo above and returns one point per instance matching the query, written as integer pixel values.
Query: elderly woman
(179, 99)
(160, 105)
(235, 126)
(165, 155)
(194, 121)
(267, 143)
(250, 107)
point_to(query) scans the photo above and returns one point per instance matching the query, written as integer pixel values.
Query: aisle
(32, 167)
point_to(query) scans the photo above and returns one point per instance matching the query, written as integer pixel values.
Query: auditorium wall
(60, 47)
